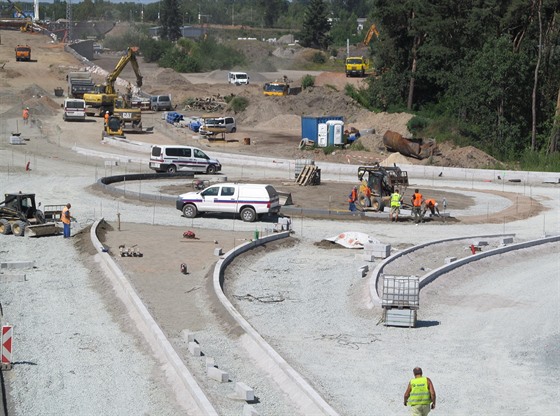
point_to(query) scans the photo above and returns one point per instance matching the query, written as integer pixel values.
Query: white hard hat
(436, 204)
(27, 108)
(106, 112)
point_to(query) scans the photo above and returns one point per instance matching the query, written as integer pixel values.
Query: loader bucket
(41, 230)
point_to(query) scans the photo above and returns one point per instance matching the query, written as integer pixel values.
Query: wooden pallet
(307, 175)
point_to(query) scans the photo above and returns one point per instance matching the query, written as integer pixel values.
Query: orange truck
(23, 53)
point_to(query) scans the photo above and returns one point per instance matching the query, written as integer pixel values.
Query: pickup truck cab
(248, 200)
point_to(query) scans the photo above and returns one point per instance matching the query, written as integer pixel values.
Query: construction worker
(106, 117)
(352, 198)
(66, 219)
(420, 394)
(25, 115)
(365, 191)
(432, 205)
(396, 200)
(417, 199)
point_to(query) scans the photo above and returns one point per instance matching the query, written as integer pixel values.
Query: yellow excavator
(102, 98)
(372, 31)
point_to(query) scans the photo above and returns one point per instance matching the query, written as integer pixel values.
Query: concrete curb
(376, 273)
(152, 332)
(295, 385)
(431, 276)
(434, 274)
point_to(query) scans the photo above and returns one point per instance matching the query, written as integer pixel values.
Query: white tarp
(353, 239)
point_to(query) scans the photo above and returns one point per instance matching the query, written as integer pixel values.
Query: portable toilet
(335, 133)
(322, 135)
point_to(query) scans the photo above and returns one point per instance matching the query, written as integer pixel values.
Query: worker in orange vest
(432, 205)
(352, 198)
(66, 219)
(106, 117)
(25, 115)
(417, 199)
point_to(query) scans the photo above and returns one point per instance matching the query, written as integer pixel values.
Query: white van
(248, 200)
(238, 78)
(161, 103)
(182, 158)
(74, 109)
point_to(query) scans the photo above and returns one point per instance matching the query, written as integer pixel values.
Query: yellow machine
(103, 97)
(356, 65)
(113, 128)
(276, 88)
(372, 31)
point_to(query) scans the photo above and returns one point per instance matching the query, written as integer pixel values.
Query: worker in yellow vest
(420, 394)
(396, 200)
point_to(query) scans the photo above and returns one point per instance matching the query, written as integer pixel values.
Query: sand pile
(170, 77)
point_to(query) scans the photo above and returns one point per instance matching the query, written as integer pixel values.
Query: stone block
(551, 180)
(480, 243)
(17, 265)
(218, 251)
(382, 250)
(249, 410)
(217, 374)
(244, 392)
(10, 278)
(450, 260)
(506, 240)
(210, 362)
(370, 257)
(362, 271)
(194, 349)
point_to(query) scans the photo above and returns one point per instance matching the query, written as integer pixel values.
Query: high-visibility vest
(63, 217)
(419, 393)
(25, 114)
(353, 196)
(417, 201)
(395, 200)
(430, 202)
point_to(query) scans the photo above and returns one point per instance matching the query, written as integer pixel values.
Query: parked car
(161, 103)
(213, 125)
(74, 109)
(182, 158)
(248, 200)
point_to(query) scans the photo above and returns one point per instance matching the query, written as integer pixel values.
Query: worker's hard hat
(106, 112)
(436, 204)
(27, 108)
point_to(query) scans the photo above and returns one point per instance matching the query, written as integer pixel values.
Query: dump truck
(356, 66)
(20, 215)
(79, 83)
(276, 88)
(23, 53)
(382, 181)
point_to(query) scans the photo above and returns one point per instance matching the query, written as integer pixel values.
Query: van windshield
(75, 104)
(241, 76)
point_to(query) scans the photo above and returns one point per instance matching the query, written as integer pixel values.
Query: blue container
(310, 126)
(173, 117)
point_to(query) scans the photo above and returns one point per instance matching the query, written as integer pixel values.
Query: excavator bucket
(41, 230)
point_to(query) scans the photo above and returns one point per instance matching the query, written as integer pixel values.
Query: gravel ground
(323, 327)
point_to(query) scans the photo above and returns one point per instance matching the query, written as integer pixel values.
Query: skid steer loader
(382, 181)
(19, 215)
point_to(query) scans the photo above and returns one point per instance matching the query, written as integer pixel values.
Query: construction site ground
(488, 324)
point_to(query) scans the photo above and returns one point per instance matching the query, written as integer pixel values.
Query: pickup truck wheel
(190, 211)
(18, 228)
(211, 169)
(5, 227)
(248, 214)
(172, 169)
(233, 130)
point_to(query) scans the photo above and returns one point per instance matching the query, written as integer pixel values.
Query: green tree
(171, 20)
(273, 9)
(316, 26)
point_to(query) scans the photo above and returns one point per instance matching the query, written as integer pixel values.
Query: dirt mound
(170, 77)
(469, 157)
(282, 121)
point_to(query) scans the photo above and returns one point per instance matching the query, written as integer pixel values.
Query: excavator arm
(372, 31)
(125, 59)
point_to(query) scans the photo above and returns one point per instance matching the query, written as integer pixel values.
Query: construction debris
(416, 148)
(309, 175)
(130, 251)
(209, 104)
